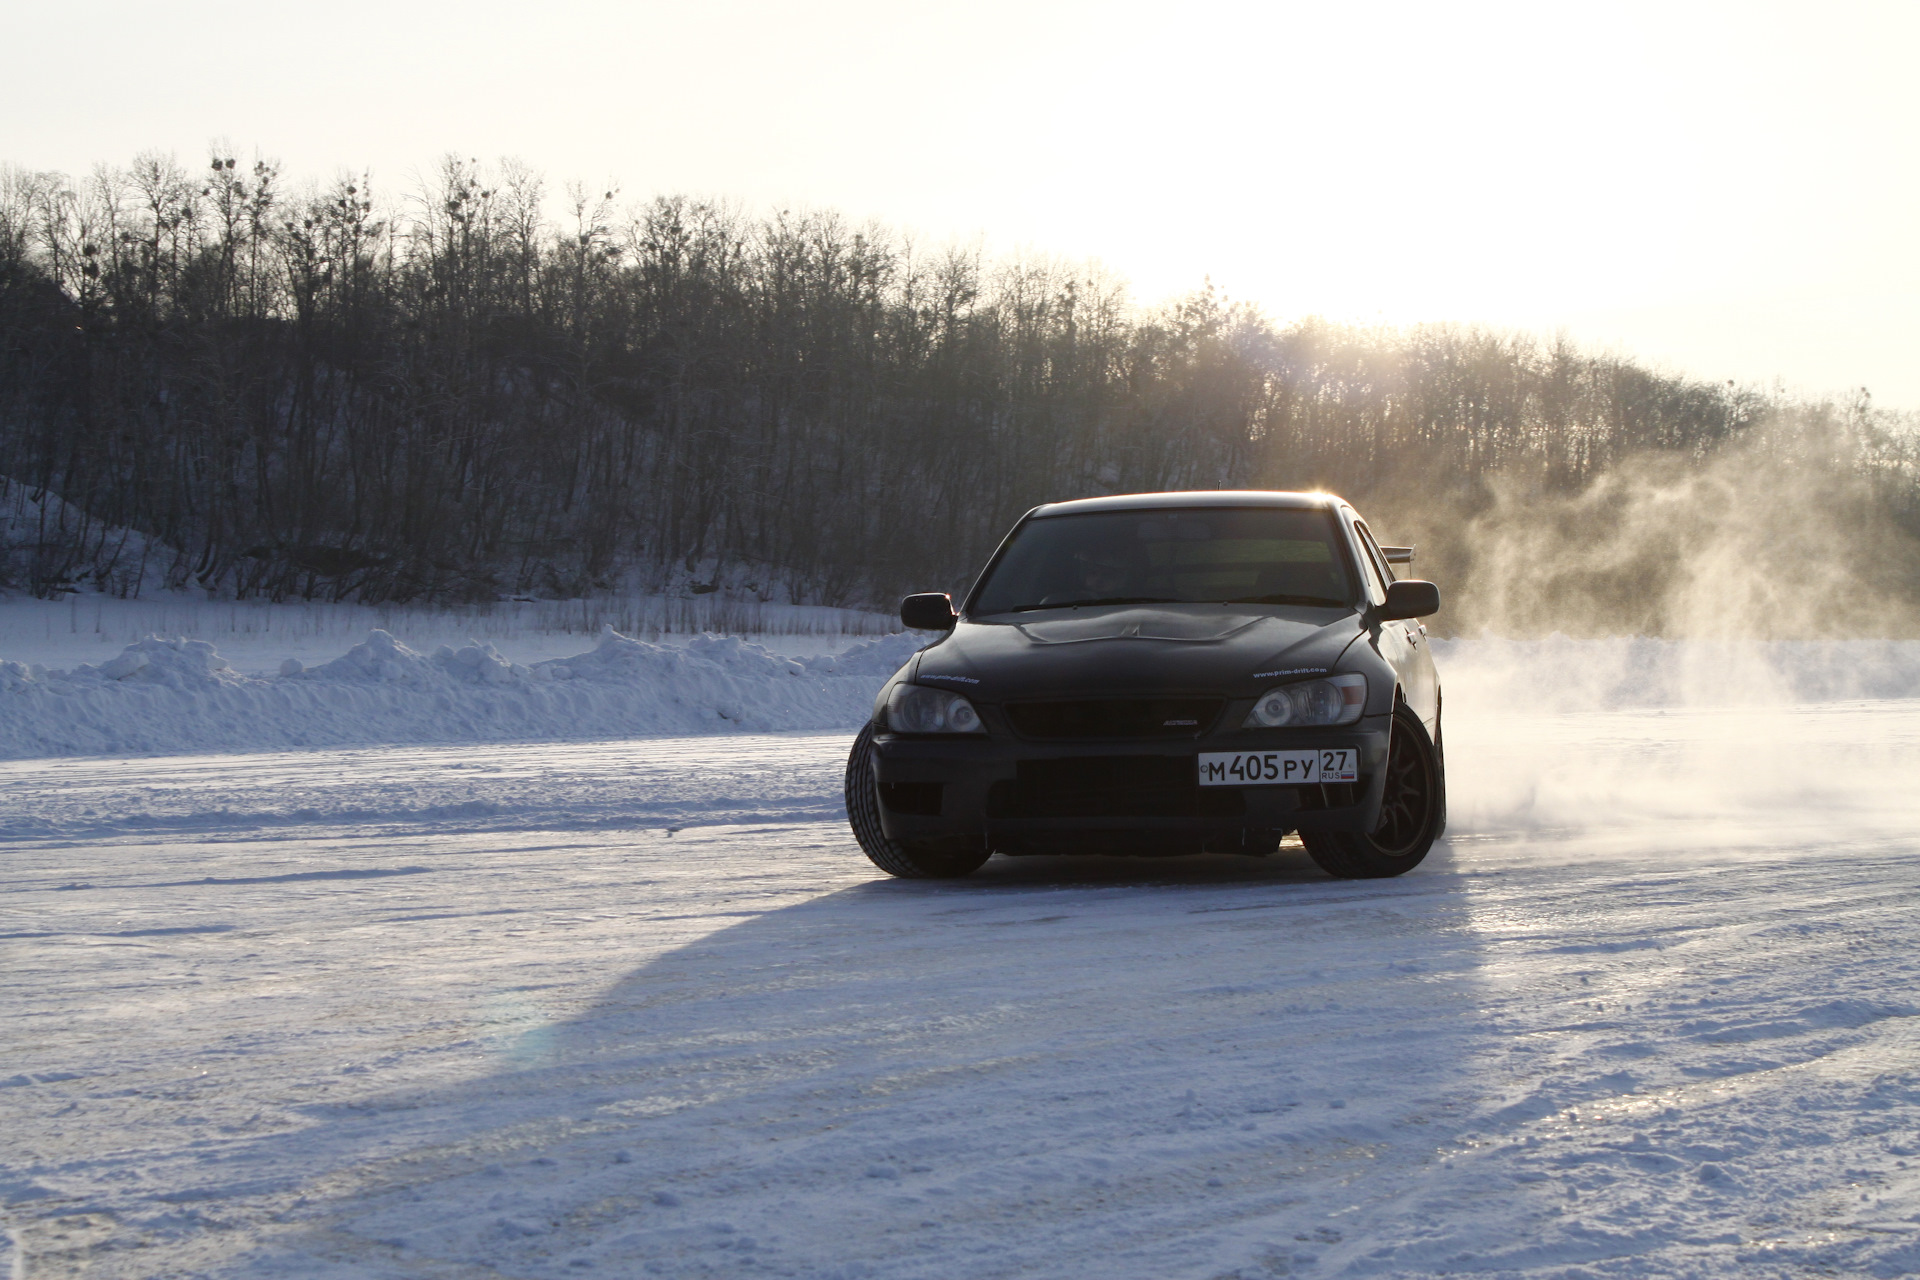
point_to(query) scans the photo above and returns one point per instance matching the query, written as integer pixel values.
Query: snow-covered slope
(182, 696)
(106, 558)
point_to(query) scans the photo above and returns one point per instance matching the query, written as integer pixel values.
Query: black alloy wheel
(948, 860)
(1412, 810)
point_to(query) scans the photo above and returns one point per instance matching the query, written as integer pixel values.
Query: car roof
(1209, 498)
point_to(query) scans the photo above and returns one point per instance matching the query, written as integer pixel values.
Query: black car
(1163, 673)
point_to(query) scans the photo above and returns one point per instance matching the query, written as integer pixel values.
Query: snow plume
(1801, 777)
(180, 695)
(1714, 744)
(1492, 676)
(1786, 534)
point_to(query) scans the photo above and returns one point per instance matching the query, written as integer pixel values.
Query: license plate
(1275, 768)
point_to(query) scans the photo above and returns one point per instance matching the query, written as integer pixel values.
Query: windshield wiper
(1075, 604)
(1321, 601)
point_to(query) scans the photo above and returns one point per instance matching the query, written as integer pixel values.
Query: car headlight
(914, 708)
(1335, 700)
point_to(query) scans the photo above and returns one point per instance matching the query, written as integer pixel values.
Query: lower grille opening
(1111, 787)
(919, 798)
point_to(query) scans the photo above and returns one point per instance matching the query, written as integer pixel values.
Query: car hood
(1133, 649)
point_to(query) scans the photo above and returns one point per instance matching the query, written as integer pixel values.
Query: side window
(1380, 566)
(1371, 560)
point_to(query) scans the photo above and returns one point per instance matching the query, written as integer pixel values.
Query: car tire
(1412, 812)
(908, 862)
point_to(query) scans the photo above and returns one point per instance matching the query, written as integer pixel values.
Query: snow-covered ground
(636, 1007)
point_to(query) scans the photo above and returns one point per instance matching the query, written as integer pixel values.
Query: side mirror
(930, 611)
(1411, 598)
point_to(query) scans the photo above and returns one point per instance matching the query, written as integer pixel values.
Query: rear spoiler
(1398, 555)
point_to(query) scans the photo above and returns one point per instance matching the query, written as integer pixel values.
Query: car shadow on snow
(1127, 1039)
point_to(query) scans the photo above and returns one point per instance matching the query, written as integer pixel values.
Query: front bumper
(1114, 795)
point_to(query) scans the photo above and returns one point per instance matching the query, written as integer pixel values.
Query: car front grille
(1115, 718)
(1111, 787)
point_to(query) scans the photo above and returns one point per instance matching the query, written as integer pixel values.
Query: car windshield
(1260, 555)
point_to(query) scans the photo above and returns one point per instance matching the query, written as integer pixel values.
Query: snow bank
(255, 636)
(182, 696)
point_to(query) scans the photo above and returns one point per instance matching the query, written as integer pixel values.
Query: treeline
(321, 394)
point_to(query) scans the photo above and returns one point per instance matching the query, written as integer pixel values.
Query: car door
(1404, 643)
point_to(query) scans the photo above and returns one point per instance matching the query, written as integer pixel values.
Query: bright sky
(1729, 190)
